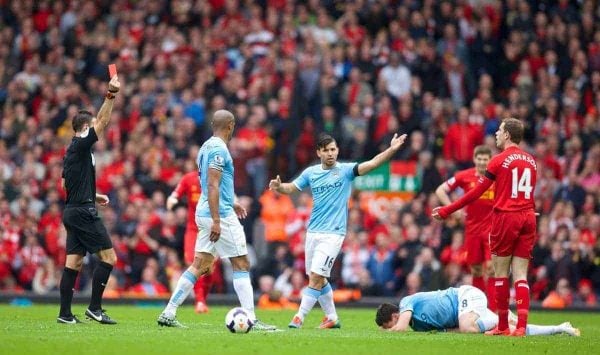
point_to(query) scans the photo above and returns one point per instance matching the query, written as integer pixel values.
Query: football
(237, 320)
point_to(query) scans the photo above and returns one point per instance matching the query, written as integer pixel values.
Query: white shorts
(471, 299)
(320, 250)
(232, 242)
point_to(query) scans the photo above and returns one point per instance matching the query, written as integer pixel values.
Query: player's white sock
(326, 302)
(182, 290)
(487, 321)
(244, 291)
(309, 298)
(533, 329)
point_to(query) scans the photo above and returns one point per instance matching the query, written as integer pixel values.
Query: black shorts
(85, 230)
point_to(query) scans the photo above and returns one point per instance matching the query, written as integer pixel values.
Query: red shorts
(513, 233)
(189, 244)
(477, 244)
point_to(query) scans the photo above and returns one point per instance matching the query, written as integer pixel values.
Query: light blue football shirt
(435, 310)
(331, 190)
(214, 155)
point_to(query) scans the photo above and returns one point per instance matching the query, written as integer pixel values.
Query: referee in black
(85, 230)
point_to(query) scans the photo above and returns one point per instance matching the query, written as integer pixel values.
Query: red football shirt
(514, 172)
(477, 221)
(190, 187)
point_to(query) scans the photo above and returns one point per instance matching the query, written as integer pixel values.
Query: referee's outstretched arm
(105, 111)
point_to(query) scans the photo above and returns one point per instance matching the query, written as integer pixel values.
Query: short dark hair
(482, 149)
(324, 140)
(515, 129)
(82, 117)
(384, 313)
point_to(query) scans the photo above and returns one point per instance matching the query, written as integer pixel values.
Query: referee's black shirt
(79, 170)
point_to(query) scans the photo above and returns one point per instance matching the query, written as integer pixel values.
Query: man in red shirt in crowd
(477, 221)
(513, 220)
(460, 140)
(189, 186)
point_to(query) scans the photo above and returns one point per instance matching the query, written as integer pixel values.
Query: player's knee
(108, 256)
(240, 264)
(316, 281)
(477, 270)
(74, 263)
(200, 266)
(489, 271)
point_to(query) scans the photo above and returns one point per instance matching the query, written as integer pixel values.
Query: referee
(85, 230)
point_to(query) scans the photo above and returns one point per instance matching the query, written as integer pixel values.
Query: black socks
(99, 281)
(67, 282)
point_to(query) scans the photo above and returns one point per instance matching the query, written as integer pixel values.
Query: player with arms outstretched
(220, 231)
(477, 220)
(463, 309)
(512, 237)
(331, 185)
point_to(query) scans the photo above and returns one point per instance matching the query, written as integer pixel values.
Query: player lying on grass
(462, 309)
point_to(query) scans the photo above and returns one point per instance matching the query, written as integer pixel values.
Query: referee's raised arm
(105, 111)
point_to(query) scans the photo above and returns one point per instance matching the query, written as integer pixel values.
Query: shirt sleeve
(301, 182)
(84, 144)
(350, 170)
(407, 304)
(217, 158)
(483, 184)
(454, 182)
(492, 168)
(181, 187)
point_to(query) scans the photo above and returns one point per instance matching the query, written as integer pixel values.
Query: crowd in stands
(444, 72)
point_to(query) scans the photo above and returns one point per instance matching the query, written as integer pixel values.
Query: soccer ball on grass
(237, 320)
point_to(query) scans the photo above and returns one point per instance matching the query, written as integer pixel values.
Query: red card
(112, 70)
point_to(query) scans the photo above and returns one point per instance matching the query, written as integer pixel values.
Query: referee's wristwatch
(110, 95)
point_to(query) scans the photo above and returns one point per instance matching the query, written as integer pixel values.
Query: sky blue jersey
(331, 190)
(435, 310)
(214, 155)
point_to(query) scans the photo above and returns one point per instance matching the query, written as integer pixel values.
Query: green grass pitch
(33, 330)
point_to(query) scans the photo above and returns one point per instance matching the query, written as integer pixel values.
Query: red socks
(522, 300)
(490, 292)
(200, 289)
(479, 283)
(502, 296)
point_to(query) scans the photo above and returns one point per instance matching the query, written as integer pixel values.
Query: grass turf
(33, 330)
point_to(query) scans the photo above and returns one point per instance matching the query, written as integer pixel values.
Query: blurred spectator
(149, 285)
(585, 294)
(275, 209)
(272, 298)
(380, 266)
(560, 297)
(291, 283)
(412, 285)
(355, 257)
(46, 278)
(429, 270)
(461, 139)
